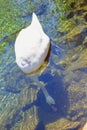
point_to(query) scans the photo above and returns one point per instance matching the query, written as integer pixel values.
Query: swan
(32, 46)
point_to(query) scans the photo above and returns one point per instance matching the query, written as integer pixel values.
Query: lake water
(65, 76)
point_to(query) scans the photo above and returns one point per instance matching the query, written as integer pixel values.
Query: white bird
(32, 46)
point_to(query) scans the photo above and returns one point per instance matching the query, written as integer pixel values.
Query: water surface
(65, 77)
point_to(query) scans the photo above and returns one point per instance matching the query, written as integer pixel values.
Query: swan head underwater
(31, 47)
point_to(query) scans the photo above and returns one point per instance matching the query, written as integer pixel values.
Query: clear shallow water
(17, 89)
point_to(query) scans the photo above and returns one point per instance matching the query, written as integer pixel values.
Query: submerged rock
(63, 124)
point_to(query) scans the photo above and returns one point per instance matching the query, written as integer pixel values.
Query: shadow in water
(40, 126)
(45, 113)
(57, 91)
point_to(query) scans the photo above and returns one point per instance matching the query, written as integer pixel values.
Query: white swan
(31, 49)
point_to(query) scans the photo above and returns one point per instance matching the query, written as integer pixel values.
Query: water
(65, 77)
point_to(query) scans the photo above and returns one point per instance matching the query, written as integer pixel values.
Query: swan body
(31, 46)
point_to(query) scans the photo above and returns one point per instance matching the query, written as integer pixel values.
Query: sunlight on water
(22, 104)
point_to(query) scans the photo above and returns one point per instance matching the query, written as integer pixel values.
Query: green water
(66, 75)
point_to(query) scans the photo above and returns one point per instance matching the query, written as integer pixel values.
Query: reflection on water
(22, 104)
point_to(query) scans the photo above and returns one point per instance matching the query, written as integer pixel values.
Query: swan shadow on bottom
(38, 102)
(45, 112)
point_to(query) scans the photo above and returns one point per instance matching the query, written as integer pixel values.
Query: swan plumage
(31, 46)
